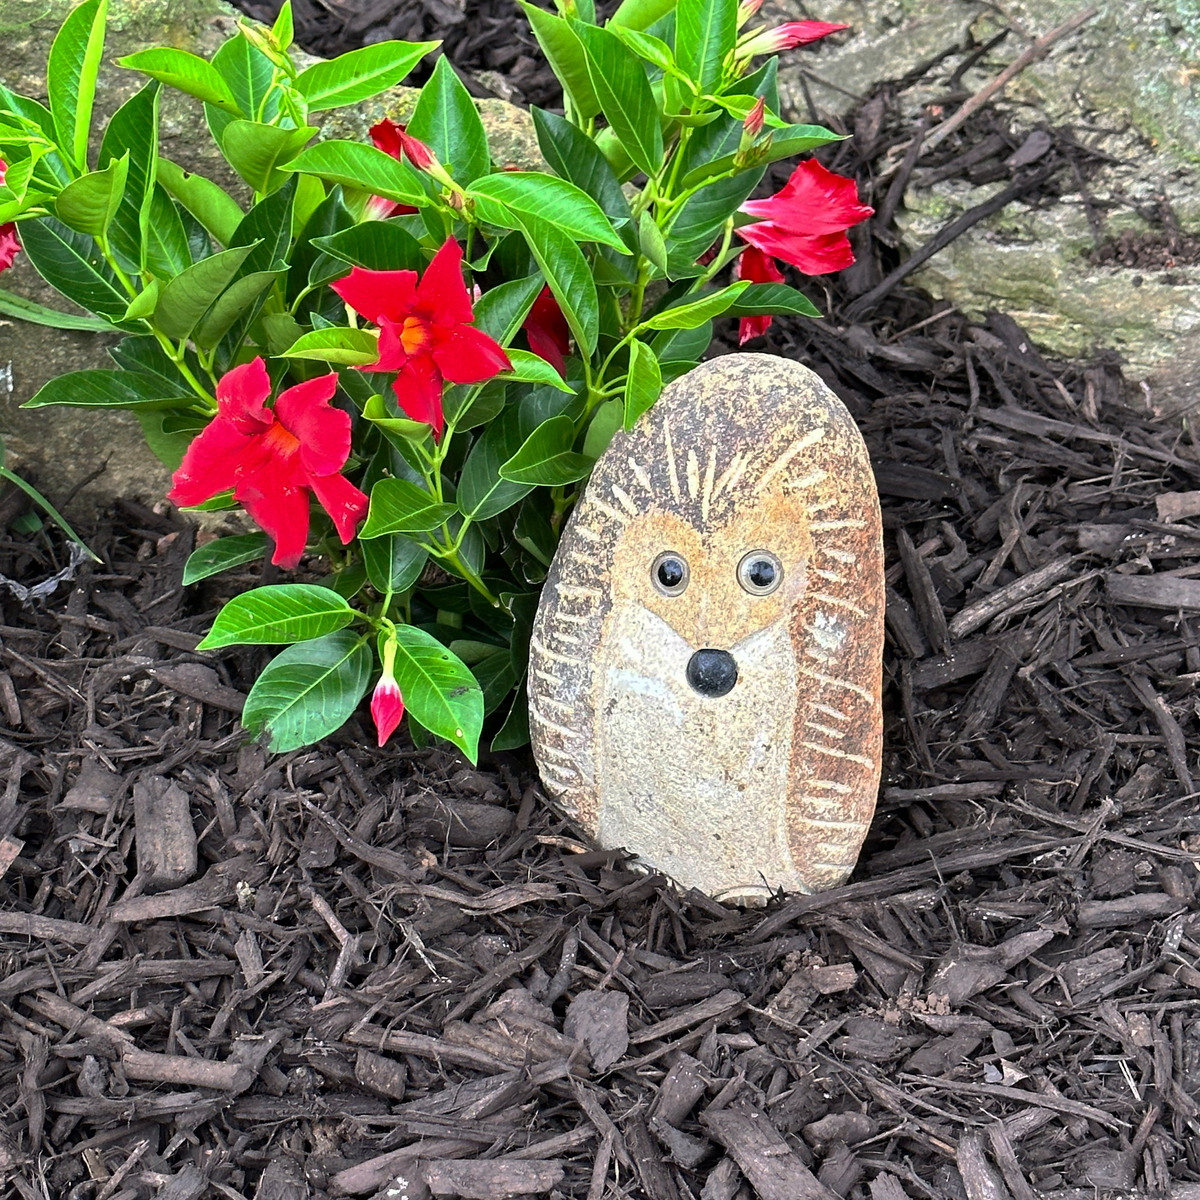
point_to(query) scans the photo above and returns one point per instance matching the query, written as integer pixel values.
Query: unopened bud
(753, 155)
(746, 10)
(752, 126)
(786, 37)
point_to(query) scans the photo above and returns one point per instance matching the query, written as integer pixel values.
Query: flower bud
(387, 705)
(752, 126)
(746, 10)
(786, 37)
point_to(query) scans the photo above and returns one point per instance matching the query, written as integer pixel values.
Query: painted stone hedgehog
(706, 661)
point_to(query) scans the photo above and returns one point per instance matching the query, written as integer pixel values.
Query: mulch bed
(346, 971)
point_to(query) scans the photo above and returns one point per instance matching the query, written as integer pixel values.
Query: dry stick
(944, 237)
(1038, 50)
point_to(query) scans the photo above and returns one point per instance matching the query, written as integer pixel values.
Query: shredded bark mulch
(352, 972)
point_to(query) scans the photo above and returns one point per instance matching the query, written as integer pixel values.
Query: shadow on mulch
(316, 974)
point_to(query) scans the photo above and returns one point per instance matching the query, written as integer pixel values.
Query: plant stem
(43, 503)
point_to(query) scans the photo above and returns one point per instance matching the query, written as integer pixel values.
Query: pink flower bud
(787, 37)
(754, 119)
(387, 705)
(746, 10)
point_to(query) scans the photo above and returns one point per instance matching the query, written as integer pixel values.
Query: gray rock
(1124, 83)
(60, 447)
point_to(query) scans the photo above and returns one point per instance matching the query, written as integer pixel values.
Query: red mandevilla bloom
(548, 332)
(9, 242)
(758, 268)
(807, 219)
(273, 458)
(391, 139)
(387, 704)
(425, 331)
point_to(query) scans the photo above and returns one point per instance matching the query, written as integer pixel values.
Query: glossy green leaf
(772, 299)
(654, 50)
(695, 312)
(71, 262)
(705, 31)
(569, 277)
(482, 493)
(448, 122)
(377, 413)
(651, 241)
(625, 96)
(532, 195)
(494, 673)
(337, 344)
(641, 14)
(186, 72)
(354, 164)
(360, 74)
(212, 206)
(502, 310)
(188, 296)
(393, 562)
(532, 368)
(235, 303)
(249, 75)
(566, 56)
(643, 383)
(107, 389)
(222, 555)
(607, 419)
(254, 150)
(546, 458)
(309, 690)
(284, 29)
(375, 245)
(71, 72)
(89, 203)
(133, 130)
(398, 506)
(168, 248)
(39, 314)
(438, 690)
(514, 733)
(278, 614)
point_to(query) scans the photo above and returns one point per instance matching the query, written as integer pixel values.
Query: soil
(350, 971)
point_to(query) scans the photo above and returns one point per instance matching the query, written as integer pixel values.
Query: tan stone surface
(773, 784)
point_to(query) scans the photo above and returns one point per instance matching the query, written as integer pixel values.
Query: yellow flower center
(280, 442)
(414, 337)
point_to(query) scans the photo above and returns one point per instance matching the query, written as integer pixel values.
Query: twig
(1038, 50)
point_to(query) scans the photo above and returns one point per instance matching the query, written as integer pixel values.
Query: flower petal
(375, 294)
(465, 354)
(342, 501)
(752, 327)
(758, 267)
(392, 355)
(210, 463)
(813, 255)
(324, 431)
(418, 391)
(278, 503)
(242, 396)
(544, 344)
(548, 332)
(387, 137)
(9, 245)
(813, 201)
(442, 294)
(387, 707)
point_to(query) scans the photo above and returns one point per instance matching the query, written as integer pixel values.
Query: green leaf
(133, 131)
(514, 733)
(654, 50)
(772, 299)
(566, 56)
(186, 72)
(502, 310)
(546, 458)
(89, 203)
(250, 76)
(393, 562)
(309, 691)
(651, 240)
(398, 506)
(71, 77)
(574, 156)
(438, 689)
(641, 14)
(625, 96)
(532, 368)
(254, 150)
(336, 344)
(375, 245)
(107, 389)
(482, 493)
(212, 206)
(39, 314)
(222, 555)
(71, 262)
(377, 413)
(606, 420)
(705, 31)
(700, 221)
(239, 301)
(284, 29)
(278, 614)
(359, 75)
(494, 672)
(168, 250)
(510, 198)
(168, 445)
(570, 279)
(642, 384)
(188, 296)
(354, 164)
(448, 122)
(144, 303)
(695, 312)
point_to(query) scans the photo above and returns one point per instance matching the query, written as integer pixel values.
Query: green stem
(43, 503)
(178, 357)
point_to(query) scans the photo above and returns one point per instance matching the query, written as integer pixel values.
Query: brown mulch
(346, 971)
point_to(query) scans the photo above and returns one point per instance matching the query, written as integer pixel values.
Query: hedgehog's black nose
(712, 672)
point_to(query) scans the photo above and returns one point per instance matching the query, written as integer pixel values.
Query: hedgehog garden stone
(706, 662)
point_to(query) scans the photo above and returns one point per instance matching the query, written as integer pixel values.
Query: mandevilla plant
(397, 355)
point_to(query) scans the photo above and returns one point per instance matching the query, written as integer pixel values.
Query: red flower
(387, 704)
(391, 139)
(807, 219)
(787, 37)
(273, 458)
(758, 268)
(547, 330)
(9, 242)
(425, 331)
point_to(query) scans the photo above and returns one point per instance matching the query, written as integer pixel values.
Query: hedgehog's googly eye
(669, 571)
(760, 572)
